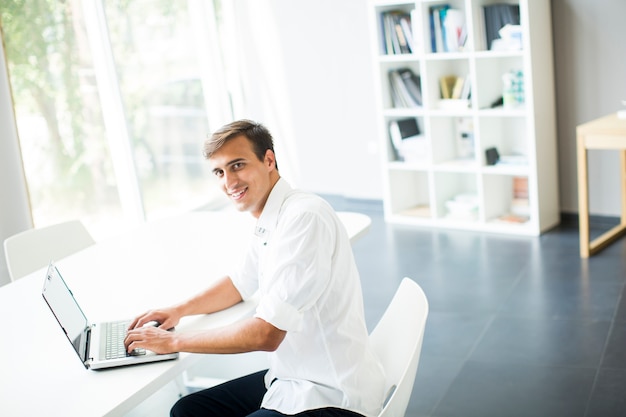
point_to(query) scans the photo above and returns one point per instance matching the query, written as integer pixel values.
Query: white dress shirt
(301, 263)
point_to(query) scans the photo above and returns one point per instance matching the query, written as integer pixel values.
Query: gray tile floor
(518, 326)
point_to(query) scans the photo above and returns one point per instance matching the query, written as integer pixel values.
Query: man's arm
(249, 335)
(252, 334)
(220, 296)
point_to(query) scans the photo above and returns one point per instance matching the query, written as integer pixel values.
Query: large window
(111, 105)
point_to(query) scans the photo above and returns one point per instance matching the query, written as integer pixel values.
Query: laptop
(98, 345)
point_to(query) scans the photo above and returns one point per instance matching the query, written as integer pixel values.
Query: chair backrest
(32, 249)
(397, 341)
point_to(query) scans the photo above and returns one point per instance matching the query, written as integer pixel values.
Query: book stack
(519, 211)
(397, 33)
(496, 17)
(455, 88)
(519, 204)
(455, 92)
(448, 32)
(406, 90)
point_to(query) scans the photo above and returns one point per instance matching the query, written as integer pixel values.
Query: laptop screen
(66, 310)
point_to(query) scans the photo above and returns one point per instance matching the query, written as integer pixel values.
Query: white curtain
(15, 215)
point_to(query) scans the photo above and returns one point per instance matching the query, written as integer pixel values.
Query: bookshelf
(484, 157)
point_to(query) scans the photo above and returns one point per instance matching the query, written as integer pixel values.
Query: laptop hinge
(88, 359)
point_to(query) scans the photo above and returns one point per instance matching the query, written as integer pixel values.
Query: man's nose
(230, 178)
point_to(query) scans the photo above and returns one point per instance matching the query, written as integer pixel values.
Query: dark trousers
(240, 397)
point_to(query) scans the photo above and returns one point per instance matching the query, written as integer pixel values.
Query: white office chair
(32, 249)
(397, 340)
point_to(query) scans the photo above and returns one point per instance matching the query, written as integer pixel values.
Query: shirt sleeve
(297, 269)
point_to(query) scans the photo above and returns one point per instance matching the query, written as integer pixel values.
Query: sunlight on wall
(264, 83)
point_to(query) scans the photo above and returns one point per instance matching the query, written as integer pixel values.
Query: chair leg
(180, 384)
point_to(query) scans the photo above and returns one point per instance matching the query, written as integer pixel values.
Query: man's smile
(238, 194)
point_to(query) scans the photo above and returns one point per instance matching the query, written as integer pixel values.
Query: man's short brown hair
(256, 133)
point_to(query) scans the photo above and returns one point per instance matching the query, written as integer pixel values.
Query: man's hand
(149, 337)
(166, 318)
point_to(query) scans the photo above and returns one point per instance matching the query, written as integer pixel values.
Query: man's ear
(270, 159)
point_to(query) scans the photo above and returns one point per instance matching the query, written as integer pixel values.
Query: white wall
(590, 66)
(309, 77)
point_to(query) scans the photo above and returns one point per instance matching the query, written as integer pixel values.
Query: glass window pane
(158, 70)
(65, 153)
(67, 159)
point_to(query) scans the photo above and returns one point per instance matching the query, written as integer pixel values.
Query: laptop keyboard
(115, 334)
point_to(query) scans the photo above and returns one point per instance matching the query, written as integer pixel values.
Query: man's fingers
(131, 339)
(133, 324)
(139, 321)
(150, 338)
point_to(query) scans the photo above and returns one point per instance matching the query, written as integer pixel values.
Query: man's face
(246, 181)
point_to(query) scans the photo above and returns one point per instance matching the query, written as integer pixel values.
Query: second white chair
(397, 340)
(32, 249)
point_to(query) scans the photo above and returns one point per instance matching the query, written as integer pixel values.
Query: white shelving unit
(429, 191)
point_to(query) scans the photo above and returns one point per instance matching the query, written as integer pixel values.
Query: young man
(310, 313)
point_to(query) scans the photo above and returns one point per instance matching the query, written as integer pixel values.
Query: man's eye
(218, 173)
(238, 165)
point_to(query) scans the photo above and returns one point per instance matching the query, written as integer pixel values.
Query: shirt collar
(269, 216)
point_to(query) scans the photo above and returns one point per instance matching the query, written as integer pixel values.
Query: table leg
(583, 198)
(589, 247)
(622, 160)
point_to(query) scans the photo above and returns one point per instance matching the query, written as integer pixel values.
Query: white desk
(357, 224)
(156, 265)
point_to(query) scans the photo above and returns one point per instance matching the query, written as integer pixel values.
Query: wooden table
(607, 132)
